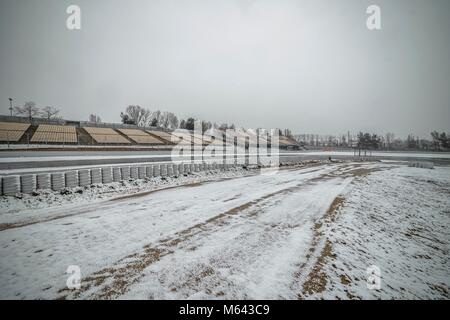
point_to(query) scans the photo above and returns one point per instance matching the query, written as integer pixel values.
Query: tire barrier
(141, 172)
(107, 175)
(71, 179)
(169, 170)
(163, 170)
(43, 181)
(149, 171)
(421, 164)
(156, 170)
(134, 173)
(11, 185)
(96, 176)
(117, 176)
(58, 181)
(28, 183)
(125, 172)
(84, 177)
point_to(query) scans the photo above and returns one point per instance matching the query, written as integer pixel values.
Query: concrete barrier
(11, 185)
(175, 169)
(191, 167)
(71, 179)
(141, 172)
(117, 176)
(186, 168)
(107, 175)
(84, 177)
(58, 181)
(43, 181)
(180, 168)
(28, 183)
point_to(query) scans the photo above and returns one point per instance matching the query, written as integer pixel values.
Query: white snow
(252, 236)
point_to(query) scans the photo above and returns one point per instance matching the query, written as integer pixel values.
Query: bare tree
(29, 109)
(168, 120)
(390, 137)
(94, 118)
(49, 112)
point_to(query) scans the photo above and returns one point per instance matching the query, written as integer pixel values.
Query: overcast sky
(311, 66)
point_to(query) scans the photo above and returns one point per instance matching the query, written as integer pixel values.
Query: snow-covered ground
(303, 232)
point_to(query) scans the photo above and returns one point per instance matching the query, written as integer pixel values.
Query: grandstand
(187, 138)
(106, 135)
(12, 131)
(140, 137)
(47, 133)
(165, 137)
(20, 131)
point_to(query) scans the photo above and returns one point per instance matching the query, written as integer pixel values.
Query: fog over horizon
(311, 66)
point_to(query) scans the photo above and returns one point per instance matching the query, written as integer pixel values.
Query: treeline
(143, 117)
(30, 110)
(440, 141)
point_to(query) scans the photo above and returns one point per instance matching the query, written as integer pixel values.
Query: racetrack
(258, 236)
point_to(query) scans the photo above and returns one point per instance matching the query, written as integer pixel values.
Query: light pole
(10, 106)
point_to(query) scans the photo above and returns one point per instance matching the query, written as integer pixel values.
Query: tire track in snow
(116, 280)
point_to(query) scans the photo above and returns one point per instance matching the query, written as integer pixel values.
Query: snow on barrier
(28, 183)
(84, 177)
(11, 185)
(125, 172)
(58, 181)
(96, 176)
(107, 175)
(133, 172)
(422, 164)
(43, 181)
(71, 179)
(117, 176)
(141, 172)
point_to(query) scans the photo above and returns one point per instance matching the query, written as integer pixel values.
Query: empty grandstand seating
(55, 134)
(140, 137)
(187, 138)
(164, 136)
(106, 135)
(12, 131)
